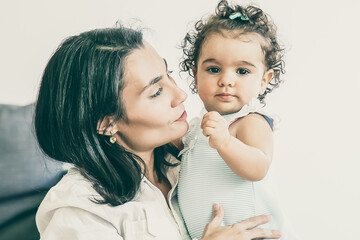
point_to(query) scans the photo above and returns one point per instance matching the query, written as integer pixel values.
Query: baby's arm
(246, 148)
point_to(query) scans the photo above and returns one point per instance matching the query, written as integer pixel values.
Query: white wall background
(316, 165)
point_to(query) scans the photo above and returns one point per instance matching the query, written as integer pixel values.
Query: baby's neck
(224, 113)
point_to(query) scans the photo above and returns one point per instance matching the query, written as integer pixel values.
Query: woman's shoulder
(74, 185)
(72, 202)
(69, 203)
(73, 190)
(76, 192)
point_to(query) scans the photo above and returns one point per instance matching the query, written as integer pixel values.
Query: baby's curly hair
(256, 21)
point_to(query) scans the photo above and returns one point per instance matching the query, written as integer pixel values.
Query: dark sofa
(25, 173)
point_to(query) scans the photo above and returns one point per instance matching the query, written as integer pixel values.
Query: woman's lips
(182, 117)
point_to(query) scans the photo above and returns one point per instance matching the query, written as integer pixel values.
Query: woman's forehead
(142, 66)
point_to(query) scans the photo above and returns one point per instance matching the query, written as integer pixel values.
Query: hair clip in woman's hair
(235, 15)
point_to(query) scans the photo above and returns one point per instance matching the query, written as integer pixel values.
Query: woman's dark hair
(81, 85)
(253, 20)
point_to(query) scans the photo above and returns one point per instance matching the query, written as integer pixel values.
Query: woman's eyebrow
(155, 80)
(152, 82)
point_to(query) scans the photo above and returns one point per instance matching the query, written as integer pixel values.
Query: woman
(108, 106)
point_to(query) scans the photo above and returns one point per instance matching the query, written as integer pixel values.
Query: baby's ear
(268, 75)
(194, 72)
(106, 127)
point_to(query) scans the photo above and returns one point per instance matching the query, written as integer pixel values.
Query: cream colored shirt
(68, 213)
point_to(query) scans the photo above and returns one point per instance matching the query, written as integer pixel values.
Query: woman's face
(153, 103)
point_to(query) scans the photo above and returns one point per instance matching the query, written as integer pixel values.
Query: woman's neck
(146, 155)
(148, 158)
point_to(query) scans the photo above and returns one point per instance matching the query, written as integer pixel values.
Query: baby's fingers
(208, 131)
(214, 116)
(209, 123)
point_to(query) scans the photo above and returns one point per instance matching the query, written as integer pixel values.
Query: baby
(235, 59)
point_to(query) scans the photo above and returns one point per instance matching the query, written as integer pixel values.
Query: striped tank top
(206, 179)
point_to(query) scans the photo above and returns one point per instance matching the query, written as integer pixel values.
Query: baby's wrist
(225, 143)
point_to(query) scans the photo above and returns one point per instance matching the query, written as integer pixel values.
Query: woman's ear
(106, 127)
(268, 75)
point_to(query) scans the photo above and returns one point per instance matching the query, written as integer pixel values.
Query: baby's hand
(215, 127)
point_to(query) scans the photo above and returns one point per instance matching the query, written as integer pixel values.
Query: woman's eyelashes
(158, 92)
(160, 89)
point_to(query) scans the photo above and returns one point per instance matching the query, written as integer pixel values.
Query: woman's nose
(179, 96)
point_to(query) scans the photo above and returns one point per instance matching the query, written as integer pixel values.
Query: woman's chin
(179, 129)
(184, 128)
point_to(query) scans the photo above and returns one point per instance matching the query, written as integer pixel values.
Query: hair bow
(238, 14)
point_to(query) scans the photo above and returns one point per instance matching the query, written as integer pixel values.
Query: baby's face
(230, 72)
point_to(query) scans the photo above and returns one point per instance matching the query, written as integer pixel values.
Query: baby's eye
(213, 70)
(242, 71)
(157, 93)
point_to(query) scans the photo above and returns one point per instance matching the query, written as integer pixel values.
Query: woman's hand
(245, 230)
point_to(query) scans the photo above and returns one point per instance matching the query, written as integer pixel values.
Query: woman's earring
(112, 138)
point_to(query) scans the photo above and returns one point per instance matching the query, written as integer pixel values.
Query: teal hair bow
(238, 14)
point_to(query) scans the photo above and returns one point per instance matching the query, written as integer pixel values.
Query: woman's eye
(242, 71)
(169, 73)
(157, 93)
(213, 70)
